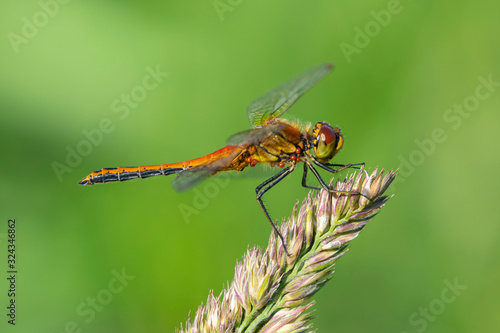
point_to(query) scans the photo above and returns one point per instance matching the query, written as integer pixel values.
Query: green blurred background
(389, 93)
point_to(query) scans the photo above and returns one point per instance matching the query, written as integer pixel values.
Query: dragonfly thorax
(326, 140)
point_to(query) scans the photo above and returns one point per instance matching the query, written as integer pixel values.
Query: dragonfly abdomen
(107, 175)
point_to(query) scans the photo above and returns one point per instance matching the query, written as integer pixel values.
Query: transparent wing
(213, 165)
(254, 136)
(192, 176)
(277, 101)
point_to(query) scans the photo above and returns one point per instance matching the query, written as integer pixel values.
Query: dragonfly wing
(254, 136)
(277, 101)
(189, 178)
(194, 175)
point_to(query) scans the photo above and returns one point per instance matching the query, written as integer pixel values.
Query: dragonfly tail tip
(83, 182)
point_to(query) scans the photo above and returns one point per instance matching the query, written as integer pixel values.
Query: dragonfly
(272, 140)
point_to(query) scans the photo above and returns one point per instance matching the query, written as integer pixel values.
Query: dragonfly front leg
(345, 166)
(308, 165)
(304, 179)
(266, 186)
(328, 166)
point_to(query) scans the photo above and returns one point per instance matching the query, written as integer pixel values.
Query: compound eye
(326, 143)
(327, 135)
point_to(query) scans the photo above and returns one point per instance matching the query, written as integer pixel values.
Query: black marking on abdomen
(107, 177)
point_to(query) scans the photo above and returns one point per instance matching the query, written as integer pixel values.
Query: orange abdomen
(107, 175)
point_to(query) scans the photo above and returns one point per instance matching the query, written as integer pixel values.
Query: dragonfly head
(327, 141)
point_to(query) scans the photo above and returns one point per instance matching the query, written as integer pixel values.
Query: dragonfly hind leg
(266, 186)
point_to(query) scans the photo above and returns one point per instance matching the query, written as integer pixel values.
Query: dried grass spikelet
(270, 290)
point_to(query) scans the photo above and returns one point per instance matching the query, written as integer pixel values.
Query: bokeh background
(65, 67)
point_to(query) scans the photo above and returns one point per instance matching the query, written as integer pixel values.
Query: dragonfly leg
(304, 179)
(308, 165)
(263, 188)
(351, 166)
(315, 172)
(329, 167)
